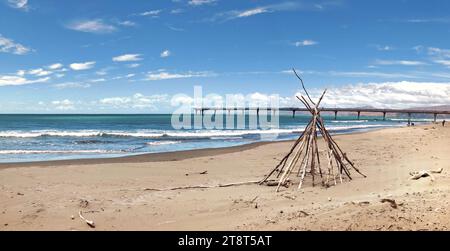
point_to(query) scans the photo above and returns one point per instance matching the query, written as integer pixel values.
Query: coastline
(119, 195)
(145, 157)
(162, 156)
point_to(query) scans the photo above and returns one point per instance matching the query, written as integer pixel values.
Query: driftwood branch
(303, 86)
(425, 173)
(267, 182)
(89, 222)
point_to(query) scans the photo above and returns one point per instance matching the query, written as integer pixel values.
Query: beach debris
(304, 158)
(202, 186)
(290, 197)
(392, 202)
(302, 213)
(424, 173)
(89, 222)
(272, 183)
(204, 172)
(72, 217)
(84, 203)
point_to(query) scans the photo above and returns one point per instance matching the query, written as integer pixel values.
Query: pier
(357, 111)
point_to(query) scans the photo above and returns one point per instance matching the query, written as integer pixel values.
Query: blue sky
(131, 56)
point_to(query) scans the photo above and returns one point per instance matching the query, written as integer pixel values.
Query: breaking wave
(200, 134)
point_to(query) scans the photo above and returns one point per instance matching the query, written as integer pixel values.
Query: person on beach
(443, 122)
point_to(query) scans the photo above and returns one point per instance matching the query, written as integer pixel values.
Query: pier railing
(358, 111)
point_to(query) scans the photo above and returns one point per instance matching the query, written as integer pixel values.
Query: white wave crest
(57, 151)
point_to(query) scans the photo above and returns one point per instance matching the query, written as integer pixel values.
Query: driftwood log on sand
(89, 222)
(268, 183)
(424, 173)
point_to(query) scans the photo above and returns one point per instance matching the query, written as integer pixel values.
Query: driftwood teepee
(303, 158)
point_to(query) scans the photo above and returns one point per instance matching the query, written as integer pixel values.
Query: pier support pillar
(409, 118)
(359, 114)
(293, 114)
(335, 115)
(257, 112)
(384, 115)
(435, 117)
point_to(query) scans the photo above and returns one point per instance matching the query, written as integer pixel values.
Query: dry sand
(44, 196)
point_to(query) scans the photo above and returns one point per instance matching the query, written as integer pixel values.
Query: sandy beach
(117, 195)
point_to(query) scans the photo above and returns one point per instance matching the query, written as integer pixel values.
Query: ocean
(25, 138)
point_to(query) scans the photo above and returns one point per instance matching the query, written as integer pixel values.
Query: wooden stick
(303, 85)
(203, 186)
(285, 158)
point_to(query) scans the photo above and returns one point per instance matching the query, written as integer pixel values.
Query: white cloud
(181, 99)
(440, 56)
(283, 6)
(429, 20)
(201, 2)
(9, 46)
(252, 12)
(165, 53)
(418, 48)
(137, 101)
(162, 75)
(443, 62)
(402, 94)
(359, 74)
(150, 13)
(384, 48)
(92, 26)
(6, 80)
(400, 62)
(39, 72)
(55, 66)
(126, 23)
(102, 72)
(82, 66)
(124, 76)
(305, 43)
(18, 4)
(63, 105)
(369, 74)
(67, 85)
(176, 11)
(438, 52)
(117, 101)
(97, 80)
(174, 28)
(133, 65)
(127, 58)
